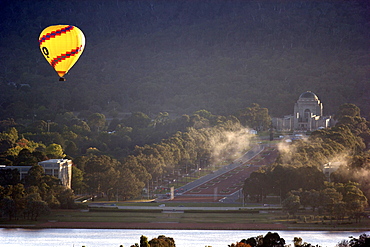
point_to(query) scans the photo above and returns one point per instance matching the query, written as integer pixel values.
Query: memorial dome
(308, 95)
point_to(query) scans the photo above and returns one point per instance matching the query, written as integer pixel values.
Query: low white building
(60, 168)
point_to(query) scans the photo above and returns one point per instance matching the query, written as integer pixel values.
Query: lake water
(19, 237)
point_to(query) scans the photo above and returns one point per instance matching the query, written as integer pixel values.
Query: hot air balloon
(62, 45)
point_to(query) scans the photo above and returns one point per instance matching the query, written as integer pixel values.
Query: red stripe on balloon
(62, 57)
(55, 33)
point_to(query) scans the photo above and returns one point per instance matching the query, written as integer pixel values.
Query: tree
(330, 198)
(81, 127)
(71, 149)
(339, 210)
(54, 151)
(80, 162)
(255, 186)
(35, 207)
(161, 118)
(97, 121)
(24, 143)
(137, 120)
(38, 126)
(11, 135)
(78, 183)
(255, 117)
(278, 175)
(309, 177)
(5, 145)
(65, 197)
(8, 207)
(34, 176)
(9, 176)
(17, 192)
(12, 197)
(162, 241)
(144, 241)
(65, 118)
(291, 204)
(314, 199)
(40, 156)
(239, 244)
(140, 172)
(101, 173)
(347, 109)
(26, 158)
(52, 201)
(150, 158)
(272, 239)
(353, 199)
(297, 241)
(128, 185)
(362, 241)
(250, 241)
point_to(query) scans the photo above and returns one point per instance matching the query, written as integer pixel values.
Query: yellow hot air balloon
(62, 45)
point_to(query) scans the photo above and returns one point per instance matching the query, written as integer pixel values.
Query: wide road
(242, 160)
(227, 182)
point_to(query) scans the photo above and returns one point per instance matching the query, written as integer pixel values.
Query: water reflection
(183, 238)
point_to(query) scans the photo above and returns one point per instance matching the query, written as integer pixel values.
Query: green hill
(182, 56)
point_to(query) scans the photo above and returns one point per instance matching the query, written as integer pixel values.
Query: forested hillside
(182, 56)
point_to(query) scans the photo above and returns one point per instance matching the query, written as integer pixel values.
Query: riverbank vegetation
(274, 240)
(271, 239)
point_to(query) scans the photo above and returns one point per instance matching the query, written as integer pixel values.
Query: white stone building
(307, 115)
(60, 168)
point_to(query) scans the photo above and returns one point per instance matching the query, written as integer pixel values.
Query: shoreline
(176, 226)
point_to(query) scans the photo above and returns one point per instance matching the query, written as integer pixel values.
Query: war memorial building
(307, 116)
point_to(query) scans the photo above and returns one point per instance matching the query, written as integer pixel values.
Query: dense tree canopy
(343, 147)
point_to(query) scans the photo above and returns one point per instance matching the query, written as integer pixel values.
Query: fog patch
(230, 144)
(310, 152)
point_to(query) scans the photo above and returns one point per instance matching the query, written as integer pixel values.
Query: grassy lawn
(246, 216)
(303, 220)
(143, 216)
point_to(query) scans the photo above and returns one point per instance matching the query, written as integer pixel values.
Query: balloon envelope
(62, 45)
